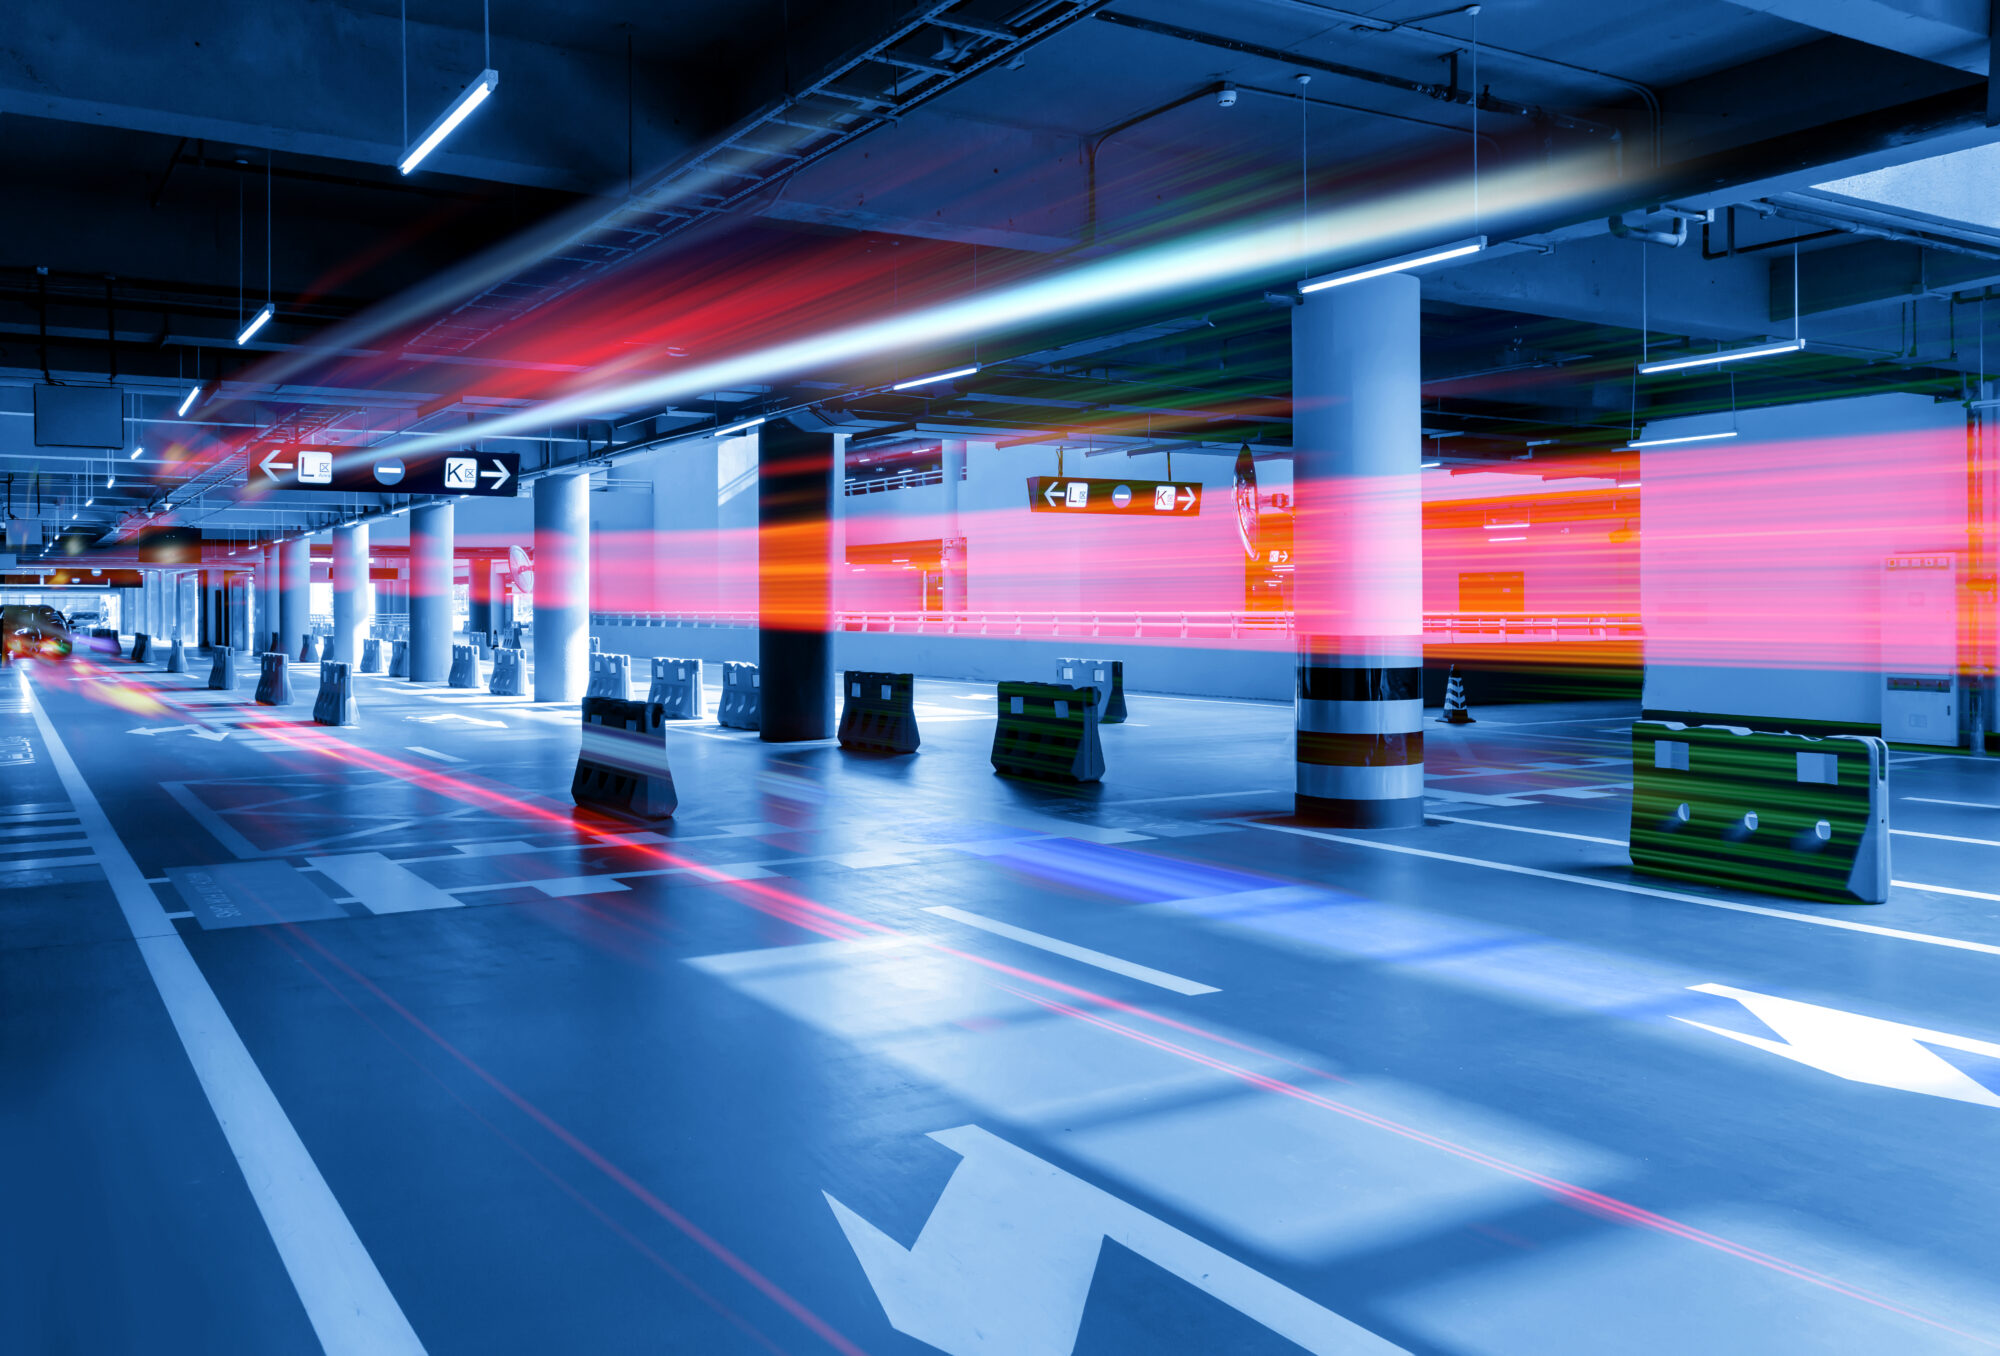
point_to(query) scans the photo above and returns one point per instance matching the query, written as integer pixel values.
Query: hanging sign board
(365, 470)
(1137, 498)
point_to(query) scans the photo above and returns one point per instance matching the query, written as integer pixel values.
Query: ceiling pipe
(1674, 238)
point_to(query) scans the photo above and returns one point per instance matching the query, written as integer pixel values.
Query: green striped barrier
(1781, 814)
(1048, 732)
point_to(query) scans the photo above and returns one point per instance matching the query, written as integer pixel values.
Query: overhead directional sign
(361, 470)
(1139, 498)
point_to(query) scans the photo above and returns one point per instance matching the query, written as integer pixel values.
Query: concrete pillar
(952, 558)
(266, 620)
(1358, 537)
(796, 484)
(294, 594)
(351, 614)
(430, 592)
(562, 587)
(187, 608)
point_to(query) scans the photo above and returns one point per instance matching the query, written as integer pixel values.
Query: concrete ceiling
(568, 230)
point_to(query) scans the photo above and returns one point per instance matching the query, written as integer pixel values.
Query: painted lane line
(1130, 969)
(1523, 828)
(432, 753)
(1946, 838)
(1204, 795)
(1962, 804)
(1626, 887)
(68, 829)
(1944, 890)
(345, 1297)
(43, 863)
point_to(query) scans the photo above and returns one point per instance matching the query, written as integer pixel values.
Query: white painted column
(1357, 441)
(562, 587)
(350, 594)
(430, 592)
(952, 558)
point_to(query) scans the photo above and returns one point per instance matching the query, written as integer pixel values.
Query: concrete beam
(1598, 281)
(1949, 32)
(1870, 271)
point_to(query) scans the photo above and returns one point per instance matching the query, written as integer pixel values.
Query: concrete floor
(893, 1055)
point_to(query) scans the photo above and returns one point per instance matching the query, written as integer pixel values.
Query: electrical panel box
(1923, 696)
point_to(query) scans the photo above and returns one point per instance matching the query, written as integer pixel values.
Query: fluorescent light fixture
(189, 399)
(1628, 484)
(1492, 539)
(1495, 527)
(738, 428)
(1401, 263)
(109, 481)
(471, 97)
(939, 376)
(88, 502)
(1727, 355)
(135, 454)
(1427, 465)
(1684, 438)
(257, 322)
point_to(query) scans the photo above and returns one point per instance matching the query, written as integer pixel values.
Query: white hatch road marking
(1006, 1259)
(382, 885)
(1862, 1049)
(1523, 828)
(1946, 837)
(1130, 969)
(432, 753)
(1626, 887)
(1961, 804)
(1200, 795)
(345, 1297)
(1620, 842)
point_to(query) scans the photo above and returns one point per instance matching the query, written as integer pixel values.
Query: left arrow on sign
(1054, 494)
(1005, 1262)
(270, 466)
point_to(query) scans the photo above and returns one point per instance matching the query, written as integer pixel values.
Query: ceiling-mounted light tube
(1428, 465)
(1727, 355)
(934, 377)
(1401, 263)
(1684, 438)
(194, 392)
(135, 454)
(460, 108)
(737, 428)
(257, 322)
(109, 481)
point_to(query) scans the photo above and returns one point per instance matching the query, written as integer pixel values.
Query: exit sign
(1141, 498)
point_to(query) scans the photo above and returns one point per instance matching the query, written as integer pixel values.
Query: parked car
(34, 631)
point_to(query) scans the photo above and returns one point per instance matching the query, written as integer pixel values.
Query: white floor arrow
(1005, 1261)
(1862, 1049)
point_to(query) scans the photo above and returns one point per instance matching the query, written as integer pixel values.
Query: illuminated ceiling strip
(926, 381)
(1685, 438)
(471, 97)
(1400, 264)
(189, 399)
(257, 322)
(737, 428)
(1727, 355)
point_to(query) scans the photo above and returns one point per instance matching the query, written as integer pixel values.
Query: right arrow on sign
(1187, 498)
(1004, 1264)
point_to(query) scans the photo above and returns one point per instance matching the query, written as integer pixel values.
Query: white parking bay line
(1944, 890)
(1946, 838)
(432, 753)
(1626, 887)
(345, 1297)
(1961, 804)
(1130, 969)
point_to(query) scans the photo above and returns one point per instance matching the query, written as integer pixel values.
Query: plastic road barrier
(335, 704)
(677, 687)
(1048, 732)
(1781, 814)
(274, 681)
(142, 647)
(610, 676)
(399, 659)
(309, 649)
(464, 667)
(177, 660)
(222, 673)
(510, 674)
(621, 764)
(371, 655)
(742, 706)
(878, 713)
(1107, 676)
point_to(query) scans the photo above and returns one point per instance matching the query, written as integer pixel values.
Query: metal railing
(1455, 627)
